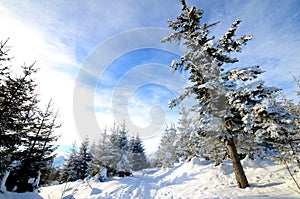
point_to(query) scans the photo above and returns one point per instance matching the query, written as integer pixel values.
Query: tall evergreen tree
(26, 131)
(8, 141)
(17, 96)
(36, 153)
(225, 95)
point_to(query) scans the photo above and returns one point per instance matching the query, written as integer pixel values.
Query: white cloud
(29, 45)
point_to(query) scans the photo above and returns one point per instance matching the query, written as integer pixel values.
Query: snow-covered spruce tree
(84, 159)
(124, 167)
(26, 131)
(138, 158)
(194, 140)
(273, 121)
(112, 154)
(287, 118)
(294, 109)
(244, 95)
(187, 143)
(9, 109)
(69, 171)
(78, 165)
(36, 153)
(225, 95)
(279, 128)
(119, 138)
(166, 153)
(104, 157)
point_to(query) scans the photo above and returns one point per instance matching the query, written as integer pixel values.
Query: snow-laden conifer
(166, 153)
(225, 94)
(137, 152)
(26, 130)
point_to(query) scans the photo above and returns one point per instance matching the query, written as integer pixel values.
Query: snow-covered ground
(195, 179)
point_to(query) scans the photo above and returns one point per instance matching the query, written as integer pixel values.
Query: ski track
(142, 185)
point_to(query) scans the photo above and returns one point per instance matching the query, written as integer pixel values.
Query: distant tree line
(114, 154)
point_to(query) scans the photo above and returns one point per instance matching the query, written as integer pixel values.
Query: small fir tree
(84, 159)
(166, 154)
(138, 157)
(187, 142)
(69, 171)
(119, 138)
(104, 156)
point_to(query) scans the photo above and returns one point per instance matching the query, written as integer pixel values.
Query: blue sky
(67, 39)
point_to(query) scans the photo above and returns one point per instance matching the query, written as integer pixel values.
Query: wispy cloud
(140, 96)
(31, 44)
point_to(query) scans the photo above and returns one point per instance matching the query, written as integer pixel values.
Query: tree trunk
(237, 166)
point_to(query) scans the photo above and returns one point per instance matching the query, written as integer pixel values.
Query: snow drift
(194, 179)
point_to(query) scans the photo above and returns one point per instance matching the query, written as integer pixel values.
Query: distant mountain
(60, 158)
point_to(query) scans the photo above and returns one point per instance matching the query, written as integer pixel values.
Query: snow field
(194, 179)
